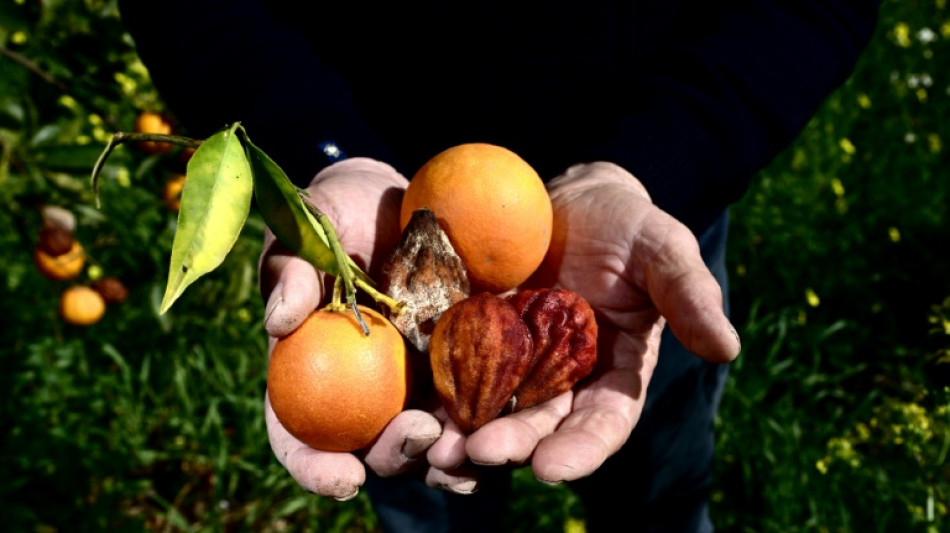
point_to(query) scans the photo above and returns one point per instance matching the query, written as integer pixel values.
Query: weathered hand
(639, 268)
(361, 197)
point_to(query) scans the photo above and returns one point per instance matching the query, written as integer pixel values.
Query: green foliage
(835, 417)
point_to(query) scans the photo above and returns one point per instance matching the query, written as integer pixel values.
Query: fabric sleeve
(710, 107)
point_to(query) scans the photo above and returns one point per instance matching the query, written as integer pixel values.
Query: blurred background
(836, 417)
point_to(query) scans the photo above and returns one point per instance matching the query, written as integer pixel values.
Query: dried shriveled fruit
(56, 240)
(426, 274)
(479, 351)
(564, 333)
(112, 289)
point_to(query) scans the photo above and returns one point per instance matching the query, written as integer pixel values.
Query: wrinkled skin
(637, 267)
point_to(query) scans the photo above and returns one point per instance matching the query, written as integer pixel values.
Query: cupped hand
(361, 197)
(639, 268)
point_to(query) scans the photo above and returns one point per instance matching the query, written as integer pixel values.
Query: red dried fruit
(564, 333)
(479, 351)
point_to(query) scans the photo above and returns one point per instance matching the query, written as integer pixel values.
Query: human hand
(639, 268)
(361, 197)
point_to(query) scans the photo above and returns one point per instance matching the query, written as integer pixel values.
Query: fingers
(448, 452)
(603, 417)
(456, 458)
(336, 475)
(291, 288)
(513, 438)
(404, 443)
(461, 480)
(683, 288)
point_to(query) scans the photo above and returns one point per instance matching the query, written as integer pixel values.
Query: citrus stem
(124, 137)
(394, 305)
(348, 279)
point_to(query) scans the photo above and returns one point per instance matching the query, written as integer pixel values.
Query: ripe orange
(81, 306)
(334, 388)
(152, 122)
(492, 205)
(171, 194)
(61, 267)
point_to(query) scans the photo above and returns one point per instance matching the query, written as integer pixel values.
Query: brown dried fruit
(111, 289)
(426, 274)
(564, 333)
(55, 240)
(479, 351)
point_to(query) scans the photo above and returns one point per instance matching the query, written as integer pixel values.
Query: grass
(836, 416)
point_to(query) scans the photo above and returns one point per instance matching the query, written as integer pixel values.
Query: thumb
(290, 286)
(685, 291)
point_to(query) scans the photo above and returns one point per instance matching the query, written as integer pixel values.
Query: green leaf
(215, 202)
(285, 213)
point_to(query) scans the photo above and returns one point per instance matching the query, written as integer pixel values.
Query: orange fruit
(152, 122)
(492, 205)
(61, 267)
(334, 388)
(171, 194)
(81, 306)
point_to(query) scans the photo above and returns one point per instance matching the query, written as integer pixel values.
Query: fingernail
(413, 447)
(549, 483)
(489, 463)
(347, 498)
(470, 487)
(736, 335)
(275, 299)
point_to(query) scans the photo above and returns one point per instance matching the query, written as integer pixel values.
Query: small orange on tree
(80, 305)
(171, 193)
(61, 267)
(153, 122)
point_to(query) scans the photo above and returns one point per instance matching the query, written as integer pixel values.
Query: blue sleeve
(710, 107)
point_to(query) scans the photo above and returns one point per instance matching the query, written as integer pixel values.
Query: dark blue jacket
(693, 97)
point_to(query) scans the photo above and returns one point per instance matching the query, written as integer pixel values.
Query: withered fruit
(111, 289)
(426, 274)
(492, 355)
(55, 240)
(479, 351)
(564, 331)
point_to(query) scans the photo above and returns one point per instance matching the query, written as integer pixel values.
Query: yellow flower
(812, 297)
(894, 234)
(837, 187)
(573, 525)
(945, 29)
(847, 146)
(67, 101)
(902, 34)
(122, 177)
(18, 37)
(934, 143)
(864, 101)
(822, 466)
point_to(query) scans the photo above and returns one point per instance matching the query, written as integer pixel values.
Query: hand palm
(635, 265)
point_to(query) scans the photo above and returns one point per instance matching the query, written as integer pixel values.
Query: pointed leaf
(285, 213)
(215, 203)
